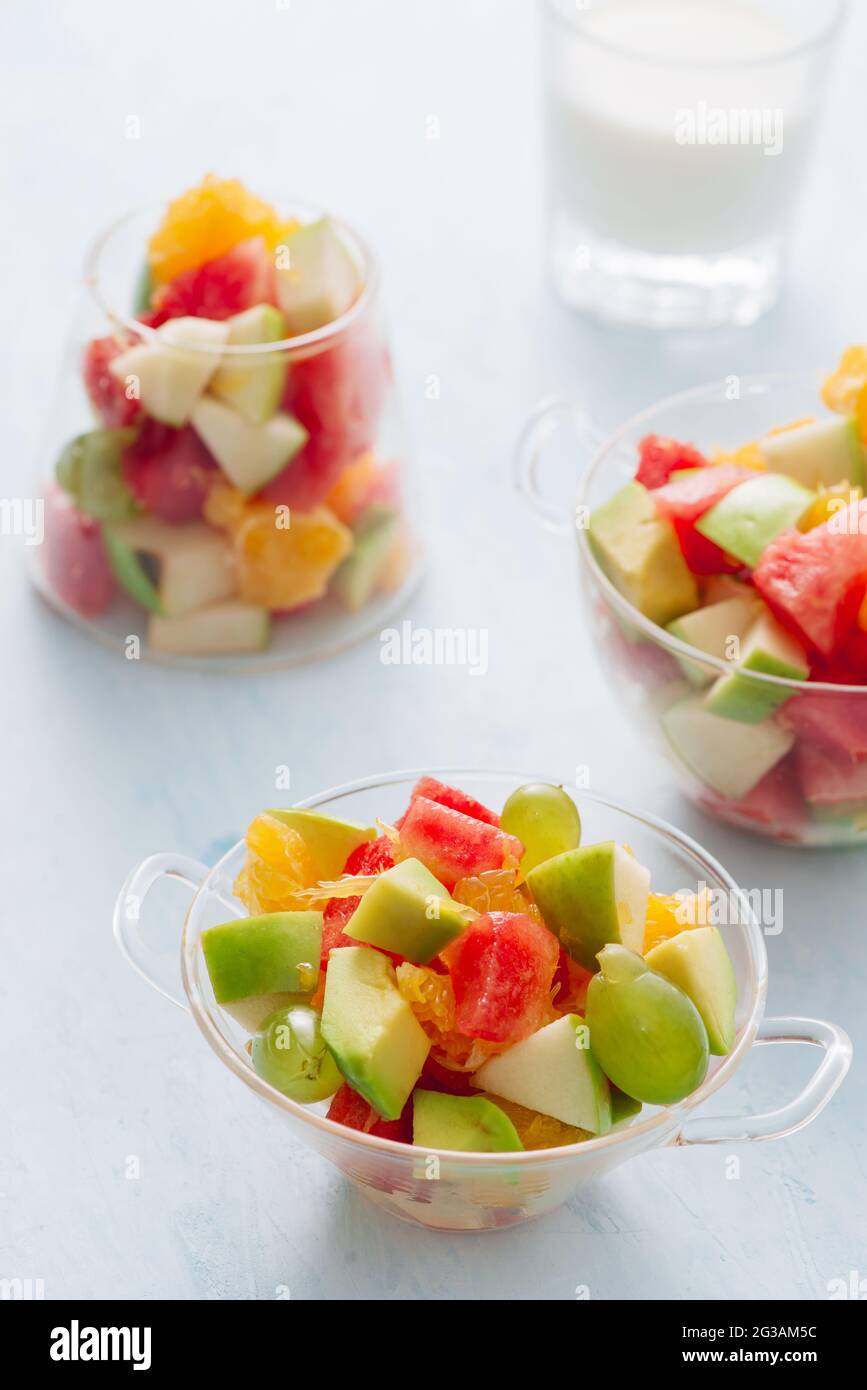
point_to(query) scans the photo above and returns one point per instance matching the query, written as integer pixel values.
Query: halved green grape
(647, 1035)
(289, 1052)
(545, 820)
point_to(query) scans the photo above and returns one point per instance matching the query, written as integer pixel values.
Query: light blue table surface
(106, 761)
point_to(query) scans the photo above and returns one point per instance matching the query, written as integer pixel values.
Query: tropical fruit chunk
(374, 1036)
(770, 650)
(408, 912)
(171, 370)
(169, 471)
(90, 469)
(222, 629)
(269, 954)
(107, 394)
(453, 797)
(221, 288)
(453, 845)
(592, 895)
(317, 277)
(699, 963)
(749, 517)
(330, 842)
(251, 383)
(814, 583)
(469, 1124)
(206, 222)
(285, 567)
(818, 455)
(639, 552)
(659, 457)
(76, 563)
(350, 1109)
(725, 755)
(502, 969)
(249, 455)
(554, 1072)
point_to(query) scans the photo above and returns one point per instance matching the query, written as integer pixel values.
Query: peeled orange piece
(206, 222)
(276, 867)
(668, 916)
(845, 387)
(829, 501)
(537, 1131)
(495, 890)
(281, 567)
(430, 996)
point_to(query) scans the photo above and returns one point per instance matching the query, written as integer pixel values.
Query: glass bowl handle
(547, 419)
(150, 964)
(776, 1124)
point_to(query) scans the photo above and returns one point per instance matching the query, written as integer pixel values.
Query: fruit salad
(754, 560)
(467, 980)
(238, 468)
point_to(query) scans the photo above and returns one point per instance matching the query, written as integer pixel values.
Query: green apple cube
(252, 383)
(329, 841)
(648, 1036)
(640, 554)
(290, 1053)
(249, 455)
(90, 470)
(771, 650)
(623, 1107)
(469, 1124)
(591, 896)
(711, 630)
(728, 756)
(374, 1036)
(317, 277)
(555, 1072)
(186, 566)
(276, 952)
(750, 516)
(818, 455)
(131, 571)
(407, 911)
(698, 962)
(374, 535)
(169, 380)
(222, 629)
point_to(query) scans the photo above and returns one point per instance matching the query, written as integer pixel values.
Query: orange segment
(283, 568)
(747, 456)
(537, 1131)
(277, 865)
(206, 222)
(668, 916)
(495, 890)
(844, 388)
(347, 498)
(225, 506)
(430, 996)
(829, 501)
(861, 412)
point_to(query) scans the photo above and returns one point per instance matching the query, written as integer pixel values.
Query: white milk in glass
(677, 134)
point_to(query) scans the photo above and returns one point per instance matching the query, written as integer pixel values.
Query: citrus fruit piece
(431, 997)
(206, 222)
(285, 567)
(844, 388)
(537, 1131)
(277, 865)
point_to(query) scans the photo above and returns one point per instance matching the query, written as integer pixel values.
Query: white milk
(652, 147)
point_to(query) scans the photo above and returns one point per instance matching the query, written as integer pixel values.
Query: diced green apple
(697, 961)
(329, 841)
(220, 630)
(169, 379)
(407, 911)
(555, 1072)
(270, 954)
(590, 896)
(750, 516)
(253, 384)
(711, 630)
(769, 649)
(727, 756)
(249, 455)
(469, 1124)
(193, 564)
(374, 534)
(374, 1036)
(132, 571)
(818, 455)
(640, 554)
(321, 280)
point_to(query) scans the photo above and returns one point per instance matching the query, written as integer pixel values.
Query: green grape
(289, 1052)
(646, 1034)
(545, 820)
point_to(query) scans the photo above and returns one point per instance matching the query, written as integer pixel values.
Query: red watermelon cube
(659, 457)
(239, 280)
(686, 500)
(444, 795)
(835, 721)
(830, 778)
(453, 845)
(349, 1108)
(502, 970)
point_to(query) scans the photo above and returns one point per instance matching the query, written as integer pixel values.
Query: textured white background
(105, 761)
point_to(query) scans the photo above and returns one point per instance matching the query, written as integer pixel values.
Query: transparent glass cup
(814, 793)
(677, 137)
(282, 553)
(478, 1192)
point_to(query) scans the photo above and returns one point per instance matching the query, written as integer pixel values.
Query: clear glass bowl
(356, 457)
(815, 794)
(484, 1191)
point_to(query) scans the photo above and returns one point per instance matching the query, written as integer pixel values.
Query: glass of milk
(677, 136)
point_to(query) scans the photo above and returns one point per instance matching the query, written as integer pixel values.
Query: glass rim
(756, 383)
(315, 339)
(800, 48)
(662, 1117)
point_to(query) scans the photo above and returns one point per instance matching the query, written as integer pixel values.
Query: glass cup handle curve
(548, 417)
(128, 915)
(777, 1124)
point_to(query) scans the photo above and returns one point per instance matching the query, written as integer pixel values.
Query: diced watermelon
(686, 500)
(835, 721)
(436, 1077)
(502, 968)
(372, 857)
(76, 563)
(309, 477)
(444, 795)
(814, 582)
(569, 993)
(776, 800)
(660, 457)
(240, 279)
(830, 778)
(702, 556)
(107, 394)
(169, 471)
(453, 845)
(349, 1108)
